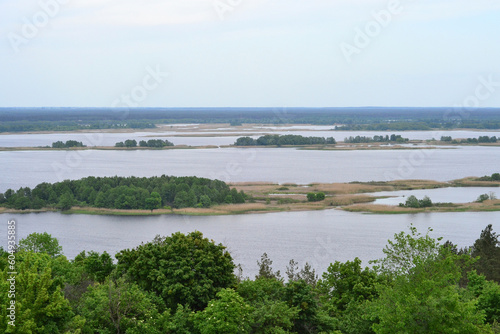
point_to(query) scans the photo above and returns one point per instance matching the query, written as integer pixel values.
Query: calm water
(28, 168)
(110, 139)
(318, 237)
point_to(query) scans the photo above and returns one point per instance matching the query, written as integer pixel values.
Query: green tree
(41, 243)
(424, 296)
(311, 197)
(40, 306)
(320, 196)
(130, 143)
(182, 269)
(115, 307)
(153, 202)
(487, 294)
(344, 290)
(66, 201)
(228, 314)
(272, 313)
(487, 247)
(265, 268)
(205, 201)
(96, 266)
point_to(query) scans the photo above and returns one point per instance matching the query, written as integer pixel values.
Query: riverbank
(271, 197)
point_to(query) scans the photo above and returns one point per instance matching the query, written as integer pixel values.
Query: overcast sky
(249, 53)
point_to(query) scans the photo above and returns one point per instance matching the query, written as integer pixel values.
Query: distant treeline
(150, 143)
(281, 140)
(376, 139)
(360, 119)
(123, 193)
(67, 144)
(493, 177)
(481, 139)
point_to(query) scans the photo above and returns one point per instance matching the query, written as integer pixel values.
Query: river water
(317, 237)
(220, 136)
(29, 168)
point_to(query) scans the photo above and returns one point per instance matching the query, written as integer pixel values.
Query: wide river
(319, 237)
(29, 168)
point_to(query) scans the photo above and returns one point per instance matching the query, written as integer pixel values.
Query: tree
(66, 201)
(345, 289)
(116, 307)
(96, 266)
(407, 251)
(40, 306)
(205, 201)
(41, 243)
(228, 314)
(272, 313)
(130, 143)
(311, 197)
(153, 202)
(487, 247)
(487, 294)
(265, 269)
(181, 269)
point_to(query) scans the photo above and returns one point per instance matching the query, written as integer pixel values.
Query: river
(317, 237)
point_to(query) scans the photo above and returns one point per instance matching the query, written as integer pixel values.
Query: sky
(249, 53)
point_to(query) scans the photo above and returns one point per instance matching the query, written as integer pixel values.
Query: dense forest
(156, 143)
(480, 139)
(280, 140)
(189, 284)
(356, 118)
(67, 144)
(123, 193)
(376, 139)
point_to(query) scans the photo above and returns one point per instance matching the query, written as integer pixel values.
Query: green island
(377, 142)
(186, 283)
(201, 196)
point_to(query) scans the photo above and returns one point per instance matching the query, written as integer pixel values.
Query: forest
(185, 283)
(393, 138)
(157, 143)
(123, 193)
(280, 140)
(354, 118)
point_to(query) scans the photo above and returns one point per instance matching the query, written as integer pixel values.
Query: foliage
(185, 284)
(424, 296)
(41, 243)
(281, 140)
(413, 202)
(265, 269)
(487, 248)
(40, 306)
(376, 139)
(315, 197)
(114, 307)
(67, 144)
(158, 143)
(124, 193)
(96, 266)
(181, 269)
(228, 314)
(487, 294)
